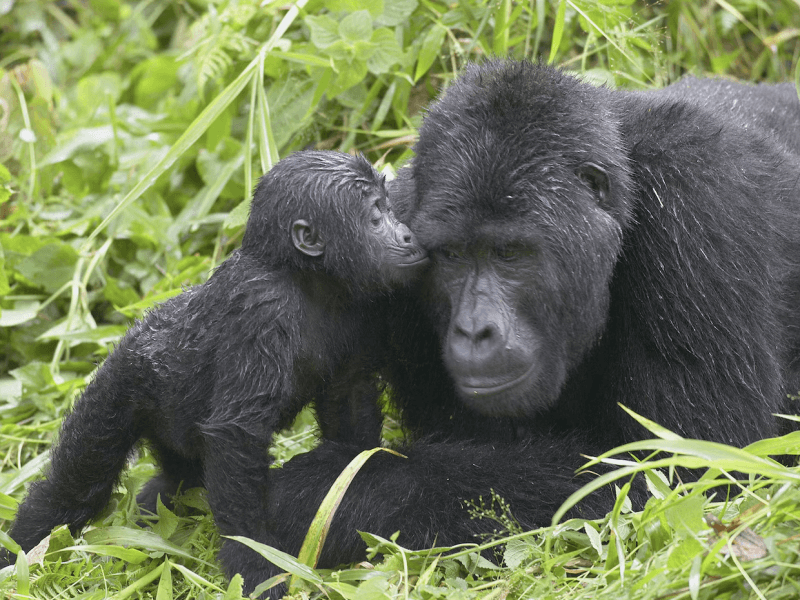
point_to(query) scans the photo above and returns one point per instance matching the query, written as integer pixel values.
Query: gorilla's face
(518, 298)
(523, 221)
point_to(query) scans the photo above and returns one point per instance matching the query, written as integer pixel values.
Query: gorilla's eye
(596, 178)
(509, 252)
(452, 252)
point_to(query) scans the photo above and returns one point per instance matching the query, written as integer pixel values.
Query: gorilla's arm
(423, 496)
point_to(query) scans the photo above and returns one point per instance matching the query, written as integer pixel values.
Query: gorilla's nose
(474, 340)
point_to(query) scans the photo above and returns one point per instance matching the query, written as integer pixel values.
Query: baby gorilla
(292, 316)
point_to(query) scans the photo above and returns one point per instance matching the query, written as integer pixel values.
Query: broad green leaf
(119, 293)
(516, 552)
(40, 79)
(129, 555)
(217, 174)
(269, 584)
(376, 588)
(234, 591)
(5, 539)
(138, 538)
(324, 31)
(686, 514)
(98, 90)
(657, 483)
(167, 522)
(82, 50)
(356, 27)
(34, 377)
(395, 12)
(29, 470)
(22, 312)
(157, 76)
(713, 453)
(594, 538)
(364, 49)
(291, 106)
(349, 75)
(82, 139)
(17, 246)
(684, 552)
(108, 9)
(785, 444)
(236, 218)
(375, 7)
(10, 392)
(102, 335)
(721, 62)
(341, 51)
(322, 88)
(137, 308)
(387, 51)
(49, 267)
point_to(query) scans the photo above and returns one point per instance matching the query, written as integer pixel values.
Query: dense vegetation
(130, 137)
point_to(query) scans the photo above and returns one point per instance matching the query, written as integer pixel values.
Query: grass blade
(318, 531)
(558, 30)
(284, 561)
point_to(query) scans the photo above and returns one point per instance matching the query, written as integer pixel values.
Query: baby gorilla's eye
(376, 215)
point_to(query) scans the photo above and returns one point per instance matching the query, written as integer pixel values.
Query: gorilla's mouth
(479, 387)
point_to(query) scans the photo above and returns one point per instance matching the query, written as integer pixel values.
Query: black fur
(208, 376)
(589, 247)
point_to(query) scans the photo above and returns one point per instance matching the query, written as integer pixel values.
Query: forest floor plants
(131, 135)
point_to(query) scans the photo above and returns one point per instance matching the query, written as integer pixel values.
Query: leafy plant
(131, 135)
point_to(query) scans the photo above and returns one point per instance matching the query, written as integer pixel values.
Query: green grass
(130, 138)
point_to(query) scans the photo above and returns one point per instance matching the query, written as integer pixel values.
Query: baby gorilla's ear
(306, 239)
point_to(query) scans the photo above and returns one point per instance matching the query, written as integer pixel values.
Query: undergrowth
(131, 134)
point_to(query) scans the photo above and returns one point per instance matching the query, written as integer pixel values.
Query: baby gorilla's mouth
(407, 257)
(414, 260)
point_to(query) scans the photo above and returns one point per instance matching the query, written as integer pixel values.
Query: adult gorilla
(589, 247)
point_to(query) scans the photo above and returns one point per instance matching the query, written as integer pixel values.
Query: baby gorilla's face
(402, 256)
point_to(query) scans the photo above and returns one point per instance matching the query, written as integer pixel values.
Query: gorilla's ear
(403, 194)
(306, 239)
(597, 179)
